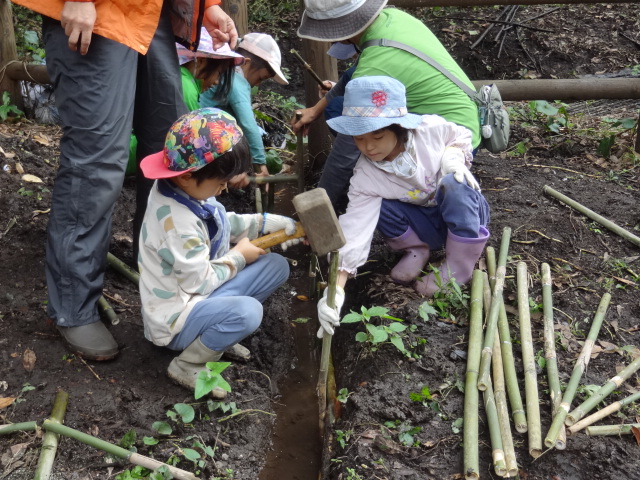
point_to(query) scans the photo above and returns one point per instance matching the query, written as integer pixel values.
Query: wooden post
(8, 53)
(237, 10)
(320, 140)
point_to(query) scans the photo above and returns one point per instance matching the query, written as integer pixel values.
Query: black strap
(385, 42)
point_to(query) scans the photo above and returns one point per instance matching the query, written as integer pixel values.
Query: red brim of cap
(153, 167)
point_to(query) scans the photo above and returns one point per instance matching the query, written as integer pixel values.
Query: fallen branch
(550, 356)
(529, 363)
(249, 411)
(506, 347)
(612, 429)
(108, 311)
(123, 269)
(599, 395)
(605, 412)
(50, 440)
(470, 417)
(593, 216)
(578, 369)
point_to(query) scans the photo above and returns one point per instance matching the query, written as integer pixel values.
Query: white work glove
(453, 162)
(329, 317)
(272, 223)
(290, 243)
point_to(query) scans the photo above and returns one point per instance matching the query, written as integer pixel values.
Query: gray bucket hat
(336, 20)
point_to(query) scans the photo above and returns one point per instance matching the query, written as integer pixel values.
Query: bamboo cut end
(535, 452)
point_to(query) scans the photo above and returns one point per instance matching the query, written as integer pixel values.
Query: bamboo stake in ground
(50, 440)
(503, 411)
(326, 342)
(494, 310)
(108, 311)
(529, 362)
(550, 352)
(576, 374)
(600, 394)
(470, 431)
(605, 412)
(117, 451)
(612, 429)
(593, 216)
(506, 347)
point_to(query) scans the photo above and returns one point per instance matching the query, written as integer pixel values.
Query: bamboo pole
(599, 430)
(50, 440)
(307, 67)
(599, 395)
(108, 311)
(503, 411)
(605, 412)
(508, 364)
(470, 417)
(18, 427)
(529, 362)
(593, 216)
(578, 370)
(326, 341)
(123, 269)
(550, 356)
(116, 451)
(497, 450)
(492, 320)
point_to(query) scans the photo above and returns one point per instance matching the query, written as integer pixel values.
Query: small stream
(297, 445)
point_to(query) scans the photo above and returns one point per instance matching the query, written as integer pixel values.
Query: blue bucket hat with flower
(372, 103)
(194, 140)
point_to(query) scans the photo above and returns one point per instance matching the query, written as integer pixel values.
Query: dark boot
(461, 255)
(416, 255)
(92, 341)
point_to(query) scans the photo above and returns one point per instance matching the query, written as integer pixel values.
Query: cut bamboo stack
(491, 368)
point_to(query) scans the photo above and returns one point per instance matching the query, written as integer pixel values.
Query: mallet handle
(276, 238)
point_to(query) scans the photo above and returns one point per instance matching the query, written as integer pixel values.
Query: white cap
(265, 47)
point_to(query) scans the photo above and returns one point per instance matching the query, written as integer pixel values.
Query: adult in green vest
(428, 91)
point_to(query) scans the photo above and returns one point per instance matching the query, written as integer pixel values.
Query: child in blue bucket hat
(200, 295)
(412, 183)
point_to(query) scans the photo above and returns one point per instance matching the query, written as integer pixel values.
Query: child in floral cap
(201, 295)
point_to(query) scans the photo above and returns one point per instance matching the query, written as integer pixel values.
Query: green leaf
(150, 440)
(352, 317)
(457, 425)
(397, 327)
(377, 311)
(217, 367)
(378, 334)
(185, 411)
(128, 440)
(163, 428)
(361, 337)
(544, 107)
(301, 320)
(191, 454)
(397, 342)
(425, 310)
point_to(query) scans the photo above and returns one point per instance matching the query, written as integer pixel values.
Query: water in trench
(296, 442)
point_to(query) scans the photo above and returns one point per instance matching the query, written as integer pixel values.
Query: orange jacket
(133, 23)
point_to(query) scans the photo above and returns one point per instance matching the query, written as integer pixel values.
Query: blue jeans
(460, 209)
(234, 310)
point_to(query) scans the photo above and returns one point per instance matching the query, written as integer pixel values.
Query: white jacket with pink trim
(428, 145)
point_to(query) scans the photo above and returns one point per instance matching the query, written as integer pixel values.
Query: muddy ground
(381, 433)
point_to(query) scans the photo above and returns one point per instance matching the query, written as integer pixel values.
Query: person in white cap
(199, 70)
(263, 61)
(428, 90)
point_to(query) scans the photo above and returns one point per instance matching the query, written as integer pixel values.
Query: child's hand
(248, 250)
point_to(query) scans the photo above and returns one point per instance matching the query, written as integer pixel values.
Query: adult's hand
(77, 19)
(220, 26)
(304, 116)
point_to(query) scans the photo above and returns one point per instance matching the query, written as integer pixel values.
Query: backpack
(492, 115)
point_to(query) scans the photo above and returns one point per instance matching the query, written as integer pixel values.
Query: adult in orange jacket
(114, 66)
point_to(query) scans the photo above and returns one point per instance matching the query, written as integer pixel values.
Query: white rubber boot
(184, 369)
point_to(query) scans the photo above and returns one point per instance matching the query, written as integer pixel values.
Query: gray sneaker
(93, 341)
